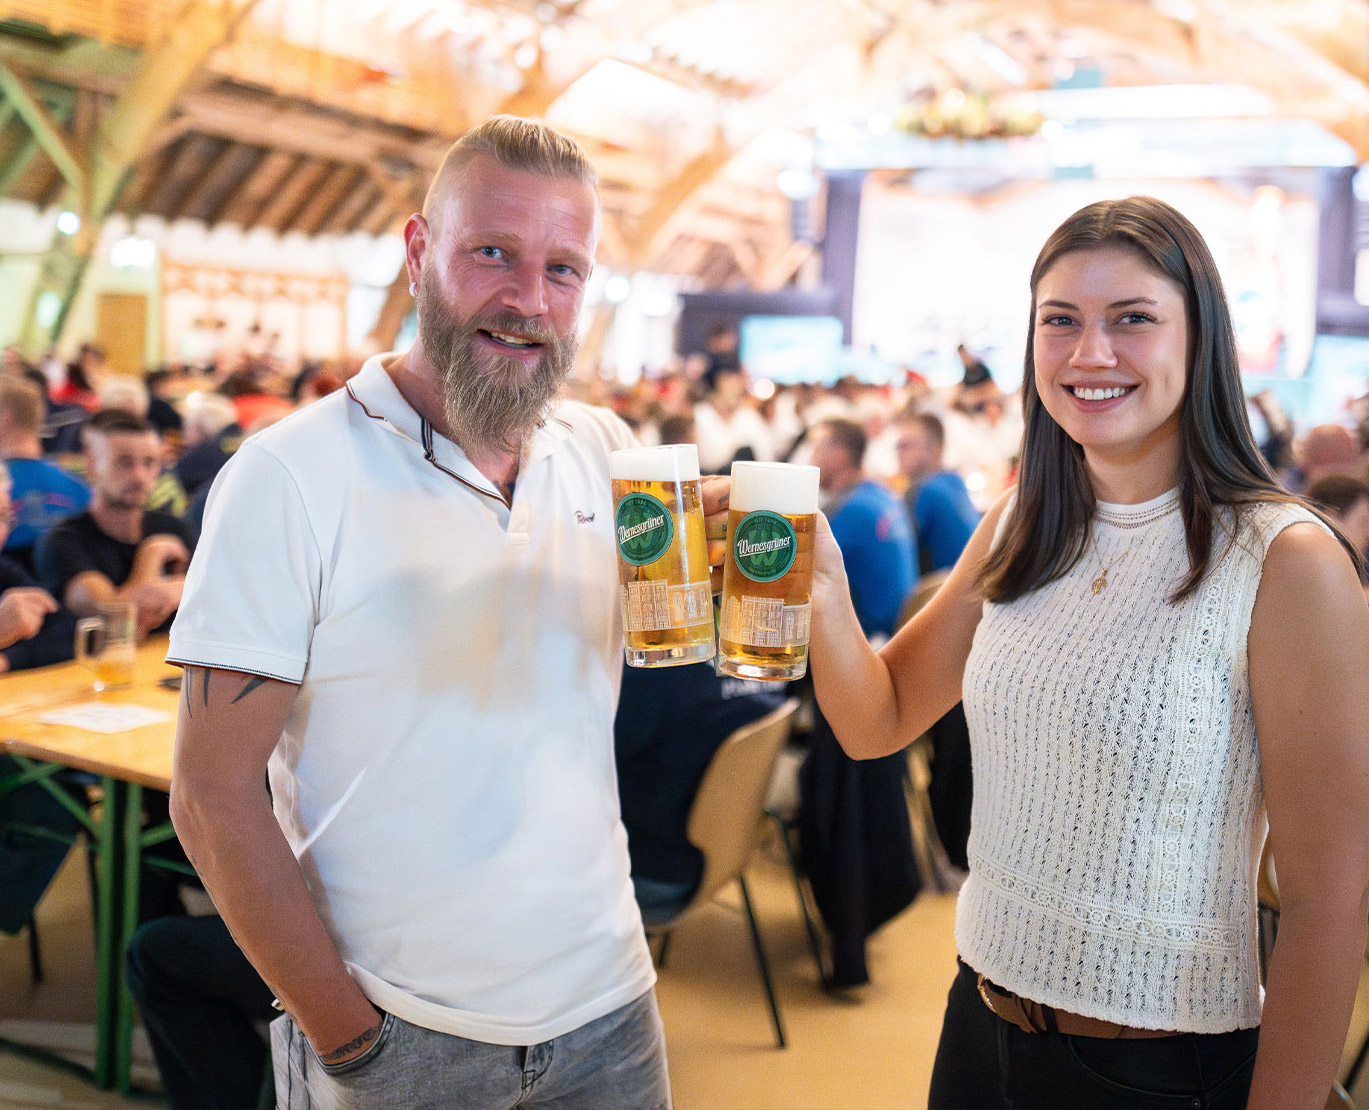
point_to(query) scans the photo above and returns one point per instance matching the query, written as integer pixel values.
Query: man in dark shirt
(670, 722)
(117, 549)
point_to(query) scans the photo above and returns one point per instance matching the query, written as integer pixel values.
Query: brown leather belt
(1033, 1017)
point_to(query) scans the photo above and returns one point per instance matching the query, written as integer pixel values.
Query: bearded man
(405, 608)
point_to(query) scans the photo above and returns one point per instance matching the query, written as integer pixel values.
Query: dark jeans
(200, 1000)
(985, 1062)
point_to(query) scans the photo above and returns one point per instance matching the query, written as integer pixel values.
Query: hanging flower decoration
(957, 114)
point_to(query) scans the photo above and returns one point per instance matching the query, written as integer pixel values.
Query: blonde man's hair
(23, 400)
(528, 145)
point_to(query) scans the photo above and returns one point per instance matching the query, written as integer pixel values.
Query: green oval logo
(765, 546)
(644, 527)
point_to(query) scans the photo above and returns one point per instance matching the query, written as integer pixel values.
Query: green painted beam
(50, 135)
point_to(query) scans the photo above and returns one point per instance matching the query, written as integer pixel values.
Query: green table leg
(132, 877)
(107, 946)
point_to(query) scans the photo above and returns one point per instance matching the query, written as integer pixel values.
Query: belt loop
(1048, 1019)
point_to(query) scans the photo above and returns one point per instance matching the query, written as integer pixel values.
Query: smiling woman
(1158, 650)
(1111, 355)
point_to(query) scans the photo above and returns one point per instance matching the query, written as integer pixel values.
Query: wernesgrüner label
(644, 528)
(765, 546)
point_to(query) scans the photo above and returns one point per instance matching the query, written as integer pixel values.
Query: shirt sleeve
(252, 594)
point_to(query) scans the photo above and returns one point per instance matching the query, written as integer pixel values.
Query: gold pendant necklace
(1101, 582)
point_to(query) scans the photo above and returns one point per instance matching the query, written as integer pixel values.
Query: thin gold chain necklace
(1101, 582)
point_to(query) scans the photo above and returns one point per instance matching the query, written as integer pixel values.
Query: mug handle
(85, 629)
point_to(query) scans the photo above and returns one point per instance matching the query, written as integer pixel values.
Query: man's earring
(413, 289)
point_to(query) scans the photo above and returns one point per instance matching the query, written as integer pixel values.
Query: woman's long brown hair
(1219, 463)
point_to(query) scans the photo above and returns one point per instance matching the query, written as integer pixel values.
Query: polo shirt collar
(375, 392)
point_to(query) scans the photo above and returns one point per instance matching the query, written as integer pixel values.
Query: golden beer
(768, 575)
(663, 579)
(105, 644)
(114, 667)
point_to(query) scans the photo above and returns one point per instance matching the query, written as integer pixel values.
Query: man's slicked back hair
(528, 145)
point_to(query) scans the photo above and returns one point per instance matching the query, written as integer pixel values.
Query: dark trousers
(952, 788)
(985, 1062)
(200, 1000)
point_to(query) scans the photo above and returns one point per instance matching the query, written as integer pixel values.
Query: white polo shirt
(446, 778)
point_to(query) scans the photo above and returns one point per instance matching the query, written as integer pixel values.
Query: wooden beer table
(125, 762)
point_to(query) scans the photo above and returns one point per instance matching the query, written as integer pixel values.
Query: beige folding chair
(725, 824)
(923, 592)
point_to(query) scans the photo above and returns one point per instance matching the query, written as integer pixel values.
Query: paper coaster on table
(99, 716)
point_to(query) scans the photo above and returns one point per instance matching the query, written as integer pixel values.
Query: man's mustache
(522, 326)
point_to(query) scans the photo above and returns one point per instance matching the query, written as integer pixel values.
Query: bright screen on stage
(792, 349)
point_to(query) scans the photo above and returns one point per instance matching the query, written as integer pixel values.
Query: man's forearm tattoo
(351, 1046)
(247, 687)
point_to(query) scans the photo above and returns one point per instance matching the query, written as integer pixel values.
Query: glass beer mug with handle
(768, 576)
(658, 523)
(106, 644)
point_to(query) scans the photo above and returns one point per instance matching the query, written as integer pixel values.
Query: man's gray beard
(492, 404)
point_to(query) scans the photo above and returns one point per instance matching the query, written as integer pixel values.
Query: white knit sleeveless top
(1118, 815)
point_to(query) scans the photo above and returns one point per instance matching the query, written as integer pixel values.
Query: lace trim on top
(1138, 516)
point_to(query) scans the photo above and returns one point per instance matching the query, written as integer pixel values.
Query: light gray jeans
(616, 1062)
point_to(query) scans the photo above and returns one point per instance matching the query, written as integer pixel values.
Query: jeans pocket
(356, 1063)
(1141, 1073)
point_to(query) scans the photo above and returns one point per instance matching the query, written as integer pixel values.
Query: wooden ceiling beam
(398, 304)
(384, 218)
(401, 194)
(147, 174)
(214, 191)
(343, 218)
(655, 230)
(215, 156)
(187, 165)
(329, 194)
(293, 195)
(267, 122)
(779, 269)
(145, 102)
(249, 200)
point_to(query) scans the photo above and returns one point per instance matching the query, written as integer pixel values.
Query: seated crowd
(104, 482)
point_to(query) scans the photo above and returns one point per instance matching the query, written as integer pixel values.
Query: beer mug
(658, 522)
(105, 644)
(768, 576)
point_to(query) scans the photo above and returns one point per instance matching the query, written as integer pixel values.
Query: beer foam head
(675, 462)
(780, 487)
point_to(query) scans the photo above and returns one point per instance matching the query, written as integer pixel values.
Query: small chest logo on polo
(644, 528)
(764, 546)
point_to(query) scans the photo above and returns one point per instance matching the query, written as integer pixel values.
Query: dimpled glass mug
(768, 576)
(663, 576)
(106, 644)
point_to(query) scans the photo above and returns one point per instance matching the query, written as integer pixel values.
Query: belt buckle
(983, 992)
(1021, 1021)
